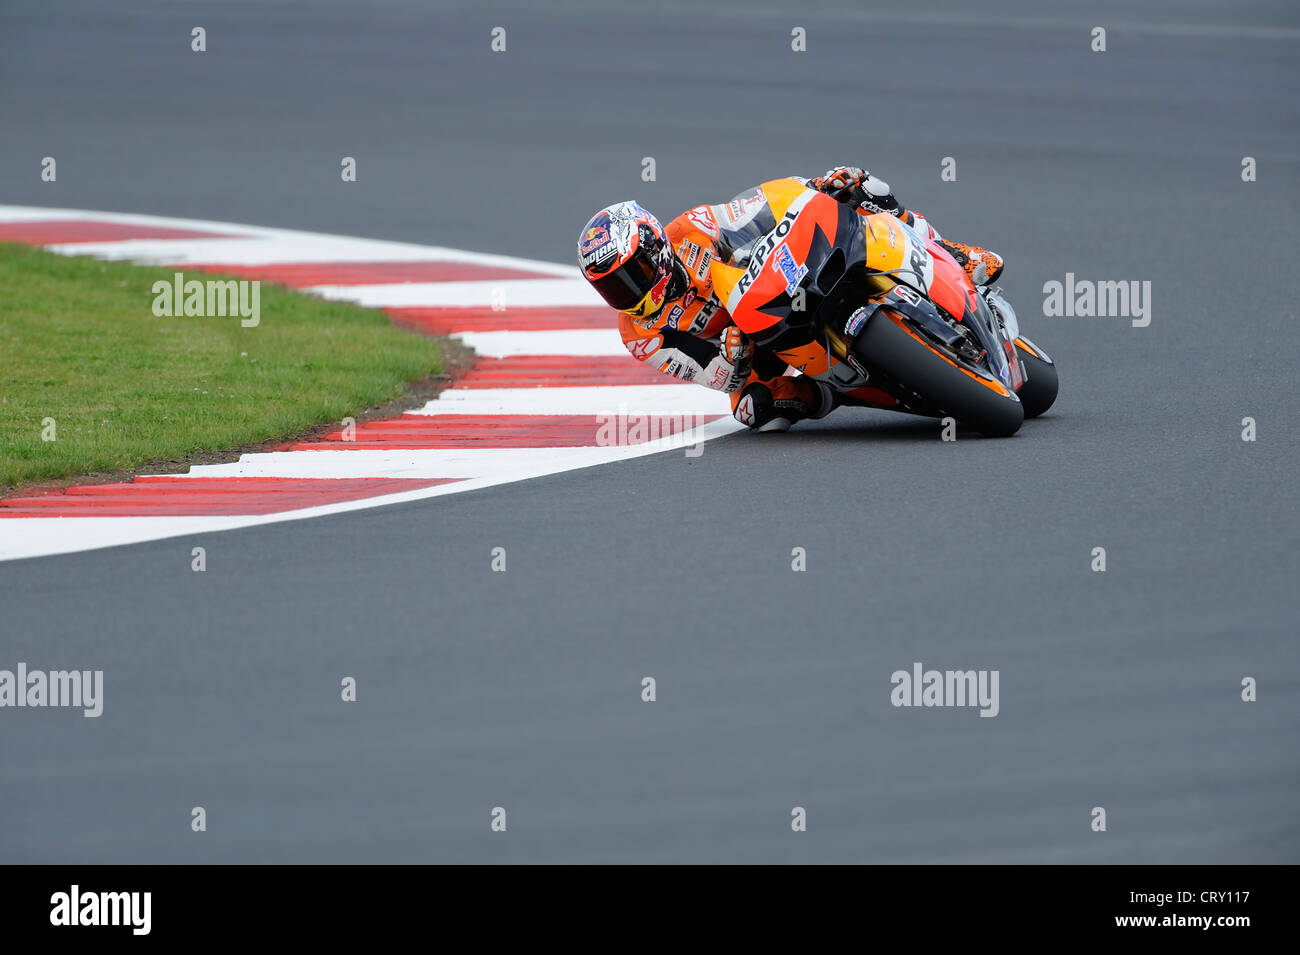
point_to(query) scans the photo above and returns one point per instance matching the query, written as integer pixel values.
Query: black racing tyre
(974, 399)
(1038, 392)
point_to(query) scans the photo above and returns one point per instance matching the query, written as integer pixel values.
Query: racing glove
(730, 369)
(839, 182)
(858, 188)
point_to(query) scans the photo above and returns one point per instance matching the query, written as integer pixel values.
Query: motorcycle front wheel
(1038, 392)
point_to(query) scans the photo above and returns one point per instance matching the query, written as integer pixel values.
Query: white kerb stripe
(524, 293)
(638, 399)
(597, 342)
(426, 463)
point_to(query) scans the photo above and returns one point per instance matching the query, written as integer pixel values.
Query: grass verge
(82, 348)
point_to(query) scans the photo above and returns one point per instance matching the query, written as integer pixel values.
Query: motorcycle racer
(658, 279)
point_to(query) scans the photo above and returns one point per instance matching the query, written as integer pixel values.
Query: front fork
(1006, 317)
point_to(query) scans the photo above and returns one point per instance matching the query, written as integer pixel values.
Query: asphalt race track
(522, 690)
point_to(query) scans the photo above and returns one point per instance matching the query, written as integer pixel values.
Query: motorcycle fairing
(846, 261)
(751, 215)
(814, 229)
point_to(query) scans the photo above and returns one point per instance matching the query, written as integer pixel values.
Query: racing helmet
(625, 254)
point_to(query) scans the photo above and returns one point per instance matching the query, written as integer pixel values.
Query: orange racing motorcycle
(882, 315)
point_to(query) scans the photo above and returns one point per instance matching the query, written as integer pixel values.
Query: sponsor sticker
(703, 220)
(855, 321)
(745, 411)
(762, 250)
(784, 264)
(691, 254)
(742, 209)
(680, 370)
(605, 252)
(702, 318)
(907, 295)
(653, 301)
(702, 272)
(595, 237)
(645, 347)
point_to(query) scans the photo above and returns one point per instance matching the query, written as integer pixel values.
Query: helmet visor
(628, 284)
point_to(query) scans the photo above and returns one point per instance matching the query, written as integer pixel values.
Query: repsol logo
(918, 261)
(763, 250)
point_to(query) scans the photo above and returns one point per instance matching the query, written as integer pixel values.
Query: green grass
(79, 343)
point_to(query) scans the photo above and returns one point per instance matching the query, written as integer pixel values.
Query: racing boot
(981, 265)
(776, 404)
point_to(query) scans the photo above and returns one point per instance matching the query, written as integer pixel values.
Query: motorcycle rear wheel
(972, 397)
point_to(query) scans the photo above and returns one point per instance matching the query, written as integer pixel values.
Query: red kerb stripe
(60, 231)
(304, 274)
(447, 321)
(181, 496)
(560, 371)
(415, 432)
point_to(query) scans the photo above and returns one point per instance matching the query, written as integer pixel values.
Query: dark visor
(626, 286)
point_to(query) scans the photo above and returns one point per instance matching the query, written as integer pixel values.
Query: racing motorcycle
(885, 317)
